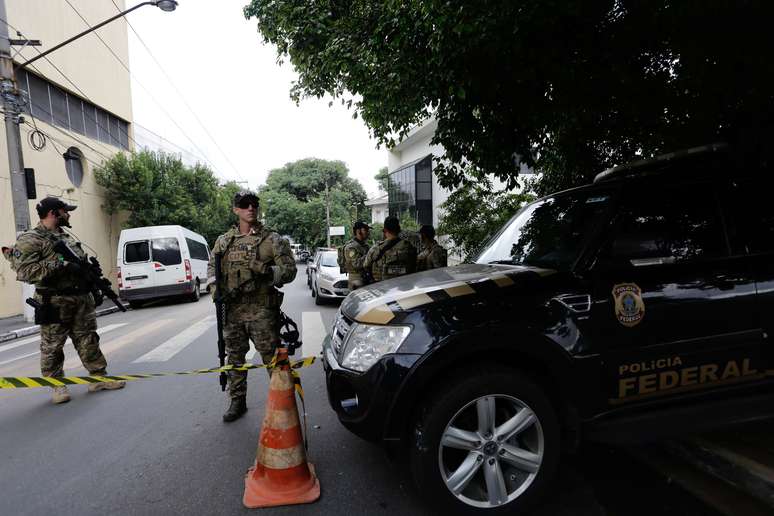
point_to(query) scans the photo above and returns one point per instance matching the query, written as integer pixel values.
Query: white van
(161, 261)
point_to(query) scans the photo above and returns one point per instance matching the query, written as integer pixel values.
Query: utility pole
(12, 103)
(12, 114)
(327, 213)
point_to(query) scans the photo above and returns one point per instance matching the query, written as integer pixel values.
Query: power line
(177, 90)
(78, 89)
(147, 90)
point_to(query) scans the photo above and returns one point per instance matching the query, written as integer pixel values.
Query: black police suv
(630, 309)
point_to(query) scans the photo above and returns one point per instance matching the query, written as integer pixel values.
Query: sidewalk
(16, 327)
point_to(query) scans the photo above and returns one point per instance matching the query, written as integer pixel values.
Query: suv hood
(379, 303)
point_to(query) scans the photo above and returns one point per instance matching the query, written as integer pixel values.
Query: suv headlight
(368, 343)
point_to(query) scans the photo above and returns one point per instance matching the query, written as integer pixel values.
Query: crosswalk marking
(250, 354)
(176, 344)
(313, 333)
(115, 344)
(100, 331)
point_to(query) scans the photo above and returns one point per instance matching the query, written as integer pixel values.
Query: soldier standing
(355, 252)
(393, 256)
(68, 307)
(254, 262)
(432, 254)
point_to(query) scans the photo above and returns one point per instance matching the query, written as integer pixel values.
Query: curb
(34, 330)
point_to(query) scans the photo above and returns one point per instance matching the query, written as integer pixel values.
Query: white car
(328, 282)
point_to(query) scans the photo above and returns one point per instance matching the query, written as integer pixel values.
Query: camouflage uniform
(432, 256)
(399, 260)
(34, 260)
(252, 266)
(354, 254)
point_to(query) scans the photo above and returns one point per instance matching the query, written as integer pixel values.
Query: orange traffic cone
(281, 475)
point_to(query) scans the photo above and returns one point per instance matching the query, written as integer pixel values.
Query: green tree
(293, 199)
(568, 88)
(475, 212)
(157, 189)
(383, 178)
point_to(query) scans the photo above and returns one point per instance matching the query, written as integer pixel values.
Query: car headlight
(368, 343)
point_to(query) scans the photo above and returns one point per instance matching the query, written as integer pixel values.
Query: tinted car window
(753, 214)
(135, 252)
(166, 251)
(549, 232)
(197, 249)
(668, 224)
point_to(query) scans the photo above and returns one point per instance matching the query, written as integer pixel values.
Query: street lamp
(164, 5)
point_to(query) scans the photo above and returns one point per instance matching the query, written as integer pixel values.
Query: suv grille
(341, 327)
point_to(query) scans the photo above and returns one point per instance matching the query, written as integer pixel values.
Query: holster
(46, 313)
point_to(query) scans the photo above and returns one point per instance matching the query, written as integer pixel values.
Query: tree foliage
(293, 199)
(475, 212)
(567, 87)
(158, 189)
(383, 178)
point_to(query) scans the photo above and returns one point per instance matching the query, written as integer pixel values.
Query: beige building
(84, 109)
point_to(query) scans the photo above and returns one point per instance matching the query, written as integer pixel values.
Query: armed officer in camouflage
(393, 256)
(68, 307)
(432, 255)
(254, 262)
(355, 252)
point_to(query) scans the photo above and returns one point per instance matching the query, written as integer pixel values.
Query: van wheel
(196, 294)
(487, 442)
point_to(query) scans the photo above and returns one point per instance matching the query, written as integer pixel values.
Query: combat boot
(107, 386)
(60, 395)
(237, 408)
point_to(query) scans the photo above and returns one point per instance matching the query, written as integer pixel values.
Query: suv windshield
(549, 232)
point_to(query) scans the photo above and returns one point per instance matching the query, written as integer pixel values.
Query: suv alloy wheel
(487, 442)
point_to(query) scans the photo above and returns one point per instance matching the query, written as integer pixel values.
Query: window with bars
(53, 105)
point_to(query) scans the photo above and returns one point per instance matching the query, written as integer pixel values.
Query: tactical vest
(241, 255)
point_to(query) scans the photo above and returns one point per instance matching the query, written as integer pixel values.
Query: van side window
(669, 224)
(166, 251)
(135, 252)
(197, 249)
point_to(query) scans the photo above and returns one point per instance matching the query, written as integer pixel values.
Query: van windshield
(136, 252)
(166, 251)
(548, 233)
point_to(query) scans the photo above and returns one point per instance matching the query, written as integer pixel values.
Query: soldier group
(254, 262)
(392, 257)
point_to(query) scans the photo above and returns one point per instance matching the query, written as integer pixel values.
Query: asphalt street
(159, 445)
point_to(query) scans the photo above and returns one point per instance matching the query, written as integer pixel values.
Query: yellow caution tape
(27, 382)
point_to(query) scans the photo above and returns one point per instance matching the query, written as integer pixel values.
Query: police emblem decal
(629, 306)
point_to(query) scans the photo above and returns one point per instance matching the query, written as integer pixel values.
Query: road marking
(130, 338)
(178, 343)
(100, 331)
(313, 333)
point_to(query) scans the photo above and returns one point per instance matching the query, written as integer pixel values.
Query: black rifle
(220, 316)
(91, 275)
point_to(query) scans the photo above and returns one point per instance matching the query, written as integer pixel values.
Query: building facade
(79, 114)
(379, 209)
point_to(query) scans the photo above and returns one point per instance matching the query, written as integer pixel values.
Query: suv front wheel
(486, 442)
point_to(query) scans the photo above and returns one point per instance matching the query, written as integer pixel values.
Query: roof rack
(645, 164)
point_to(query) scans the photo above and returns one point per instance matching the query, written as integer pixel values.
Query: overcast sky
(233, 83)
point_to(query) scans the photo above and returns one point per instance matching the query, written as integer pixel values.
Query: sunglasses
(246, 203)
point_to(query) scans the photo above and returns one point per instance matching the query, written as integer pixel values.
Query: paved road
(159, 446)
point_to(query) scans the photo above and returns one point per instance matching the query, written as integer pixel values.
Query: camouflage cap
(245, 194)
